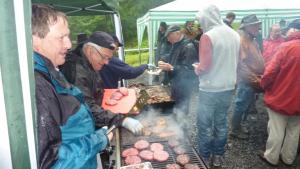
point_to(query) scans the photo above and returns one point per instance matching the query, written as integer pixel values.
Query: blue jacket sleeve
(81, 152)
(125, 71)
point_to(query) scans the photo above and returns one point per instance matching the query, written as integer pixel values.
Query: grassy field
(133, 58)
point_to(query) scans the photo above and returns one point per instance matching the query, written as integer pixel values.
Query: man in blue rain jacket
(67, 138)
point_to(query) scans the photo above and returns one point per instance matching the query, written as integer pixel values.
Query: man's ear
(36, 41)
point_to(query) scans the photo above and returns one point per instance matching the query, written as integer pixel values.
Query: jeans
(245, 96)
(212, 122)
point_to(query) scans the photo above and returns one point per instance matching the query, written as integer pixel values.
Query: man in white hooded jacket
(218, 55)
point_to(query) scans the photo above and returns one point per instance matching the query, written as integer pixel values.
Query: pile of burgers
(142, 150)
(116, 96)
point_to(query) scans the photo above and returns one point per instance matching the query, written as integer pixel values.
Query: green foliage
(130, 11)
(89, 24)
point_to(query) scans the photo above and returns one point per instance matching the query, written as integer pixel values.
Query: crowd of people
(221, 64)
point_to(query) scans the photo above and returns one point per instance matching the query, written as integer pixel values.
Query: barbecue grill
(160, 102)
(127, 140)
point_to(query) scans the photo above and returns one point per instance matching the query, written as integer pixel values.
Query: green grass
(132, 58)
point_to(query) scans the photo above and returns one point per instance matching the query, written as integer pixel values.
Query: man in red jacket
(282, 98)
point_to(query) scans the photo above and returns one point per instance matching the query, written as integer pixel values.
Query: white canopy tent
(180, 11)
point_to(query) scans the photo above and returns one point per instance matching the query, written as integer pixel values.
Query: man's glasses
(102, 56)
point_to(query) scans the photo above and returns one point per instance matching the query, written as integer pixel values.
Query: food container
(145, 165)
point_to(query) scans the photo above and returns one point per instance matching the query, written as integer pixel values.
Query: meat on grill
(160, 156)
(111, 102)
(191, 166)
(173, 166)
(173, 143)
(141, 144)
(130, 152)
(183, 159)
(146, 155)
(179, 150)
(132, 160)
(156, 147)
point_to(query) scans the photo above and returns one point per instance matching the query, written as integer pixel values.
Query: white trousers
(283, 137)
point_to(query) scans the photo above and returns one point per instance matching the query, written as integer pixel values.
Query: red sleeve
(205, 54)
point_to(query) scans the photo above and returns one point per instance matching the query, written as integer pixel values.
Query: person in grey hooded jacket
(218, 55)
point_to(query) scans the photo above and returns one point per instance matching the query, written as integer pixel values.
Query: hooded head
(209, 17)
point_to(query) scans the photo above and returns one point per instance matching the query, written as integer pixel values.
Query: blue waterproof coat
(66, 129)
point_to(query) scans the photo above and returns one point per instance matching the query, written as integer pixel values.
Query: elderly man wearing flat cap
(179, 67)
(282, 98)
(82, 69)
(250, 68)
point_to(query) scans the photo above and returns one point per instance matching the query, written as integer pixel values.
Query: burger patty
(130, 152)
(183, 159)
(160, 156)
(132, 160)
(141, 144)
(179, 150)
(146, 155)
(173, 143)
(173, 166)
(156, 147)
(191, 166)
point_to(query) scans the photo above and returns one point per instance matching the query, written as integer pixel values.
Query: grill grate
(194, 157)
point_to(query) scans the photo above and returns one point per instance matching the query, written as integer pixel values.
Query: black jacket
(183, 79)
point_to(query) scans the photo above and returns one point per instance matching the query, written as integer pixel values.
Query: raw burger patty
(156, 147)
(173, 166)
(183, 159)
(130, 152)
(179, 150)
(160, 156)
(132, 160)
(146, 155)
(191, 166)
(123, 91)
(141, 144)
(111, 102)
(173, 143)
(116, 95)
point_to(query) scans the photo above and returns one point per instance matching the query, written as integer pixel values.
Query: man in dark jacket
(179, 67)
(82, 69)
(66, 132)
(116, 69)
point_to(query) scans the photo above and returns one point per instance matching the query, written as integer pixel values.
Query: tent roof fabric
(82, 7)
(180, 11)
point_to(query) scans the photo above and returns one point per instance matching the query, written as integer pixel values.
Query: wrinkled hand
(133, 125)
(165, 66)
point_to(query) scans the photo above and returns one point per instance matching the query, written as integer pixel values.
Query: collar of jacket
(44, 65)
